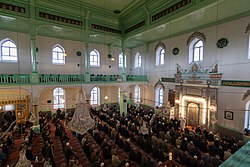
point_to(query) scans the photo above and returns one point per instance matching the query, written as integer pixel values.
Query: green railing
(66, 79)
(14, 79)
(60, 78)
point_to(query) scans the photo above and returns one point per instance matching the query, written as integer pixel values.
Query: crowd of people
(144, 137)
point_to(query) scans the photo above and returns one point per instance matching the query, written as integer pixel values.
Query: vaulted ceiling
(116, 22)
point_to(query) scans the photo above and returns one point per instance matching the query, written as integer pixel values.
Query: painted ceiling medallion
(78, 53)
(175, 51)
(221, 43)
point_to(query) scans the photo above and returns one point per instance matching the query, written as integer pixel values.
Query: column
(86, 63)
(124, 78)
(208, 121)
(34, 78)
(34, 115)
(123, 102)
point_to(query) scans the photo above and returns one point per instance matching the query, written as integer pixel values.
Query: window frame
(137, 94)
(59, 52)
(193, 49)
(159, 96)
(120, 60)
(95, 96)
(58, 95)
(138, 60)
(10, 49)
(93, 57)
(160, 57)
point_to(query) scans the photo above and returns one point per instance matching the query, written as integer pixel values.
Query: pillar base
(124, 77)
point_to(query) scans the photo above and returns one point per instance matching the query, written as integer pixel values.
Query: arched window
(121, 60)
(137, 60)
(196, 50)
(119, 94)
(95, 96)
(94, 58)
(137, 94)
(249, 46)
(58, 55)
(160, 54)
(247, 115)
(159, 96)
(59, 98)
(8, 51)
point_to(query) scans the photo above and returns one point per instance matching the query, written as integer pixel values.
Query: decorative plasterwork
(196, 34)
(246, 95)
(159, 84)
(160, 44)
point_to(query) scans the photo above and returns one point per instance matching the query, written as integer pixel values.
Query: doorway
(193, 114)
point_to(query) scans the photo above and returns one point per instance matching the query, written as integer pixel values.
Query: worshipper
(29, 154)
(115, 160)
(182, 123)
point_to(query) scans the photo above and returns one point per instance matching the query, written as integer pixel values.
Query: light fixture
(81, 121)
(112, 59)
(65, 54)
(106, 97)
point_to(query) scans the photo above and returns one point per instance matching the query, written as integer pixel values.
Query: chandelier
(81, 121)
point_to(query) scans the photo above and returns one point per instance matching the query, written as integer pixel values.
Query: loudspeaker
(48, 101)
(36, 49)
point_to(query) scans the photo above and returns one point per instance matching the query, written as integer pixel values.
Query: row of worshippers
(48, 142)
(110, 153)
(71, 157)
(6, 146)
(159, 126)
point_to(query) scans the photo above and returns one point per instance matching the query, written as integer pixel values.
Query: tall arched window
(94, 58)
(95, 96)
(159, 96)
(58, 55)
(121, 60)
(249, 46)
(247, 115)
(8, 51)
(196, 50)
(137, 92)
(59, 98)
(160, 54)
(137, 60)
(119, 94)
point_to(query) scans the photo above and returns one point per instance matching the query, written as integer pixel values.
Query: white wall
(22, 42)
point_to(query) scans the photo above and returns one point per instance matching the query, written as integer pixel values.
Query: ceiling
(200, 14)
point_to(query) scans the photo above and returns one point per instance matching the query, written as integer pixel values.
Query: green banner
(168, 79)
(235, 83)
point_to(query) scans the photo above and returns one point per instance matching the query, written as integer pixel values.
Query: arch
(8, 51)
(94, 58)
(58, 54)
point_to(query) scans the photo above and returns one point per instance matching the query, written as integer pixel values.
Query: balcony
(54, 79)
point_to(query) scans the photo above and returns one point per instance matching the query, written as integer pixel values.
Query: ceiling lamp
(81, 121)
(112, 59)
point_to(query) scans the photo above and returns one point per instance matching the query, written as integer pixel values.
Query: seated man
(115, 160)
(29, 154)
